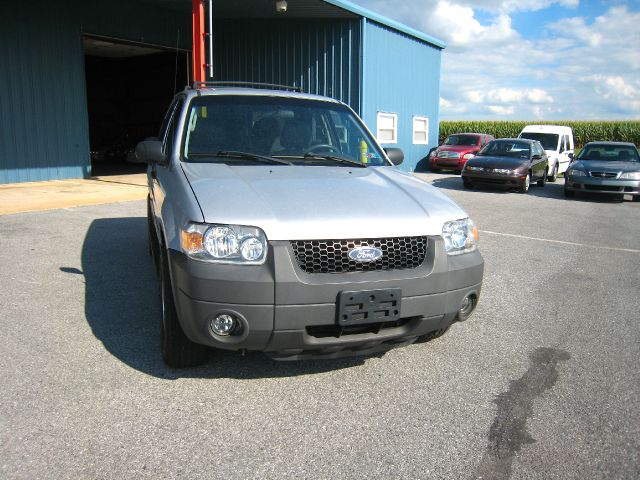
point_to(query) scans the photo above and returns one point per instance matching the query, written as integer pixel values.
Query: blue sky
(536, 59)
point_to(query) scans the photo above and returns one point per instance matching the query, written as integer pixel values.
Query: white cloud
(616, 90)
(457, 108)
(517, 5)
(578, 68)
(501, 110)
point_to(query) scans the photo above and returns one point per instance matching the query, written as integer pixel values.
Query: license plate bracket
(369, 306)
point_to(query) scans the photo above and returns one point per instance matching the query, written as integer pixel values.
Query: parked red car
(456, 150)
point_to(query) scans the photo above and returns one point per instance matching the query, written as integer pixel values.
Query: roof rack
(270, 86)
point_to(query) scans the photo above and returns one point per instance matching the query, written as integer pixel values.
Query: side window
(166, 119)
(387, 127)
(168, 140)
(537, 149)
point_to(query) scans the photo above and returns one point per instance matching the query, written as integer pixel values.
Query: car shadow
(123, 311)
(422, 166)
(449, 182)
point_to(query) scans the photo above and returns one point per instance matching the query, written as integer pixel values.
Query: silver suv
(278, 223)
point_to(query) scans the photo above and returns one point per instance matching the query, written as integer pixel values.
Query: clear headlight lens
(576, 173)
(630, 176)
(474, 169)
(468, 156)
(224, 243)
(503, 171)
(460, 236)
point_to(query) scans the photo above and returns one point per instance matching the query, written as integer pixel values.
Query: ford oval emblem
(365, 254)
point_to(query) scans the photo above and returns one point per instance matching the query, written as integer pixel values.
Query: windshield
(506, 148)
(462, 140)
(612, 153)
(299, 130)
(549, 141)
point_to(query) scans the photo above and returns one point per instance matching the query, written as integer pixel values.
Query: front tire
(554, 174)
(467, 184)
(526, 183)
(177, 350)
(543, 181)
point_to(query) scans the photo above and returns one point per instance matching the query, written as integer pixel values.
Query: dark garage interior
(129, 87)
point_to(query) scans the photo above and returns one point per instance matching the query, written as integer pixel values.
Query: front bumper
(494, 179)
(448, 163)
(292, 314)
(606, 186)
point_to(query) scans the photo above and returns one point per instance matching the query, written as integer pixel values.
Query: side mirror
(395, 155)
(536, 157)
(571, 155)
(150, 151)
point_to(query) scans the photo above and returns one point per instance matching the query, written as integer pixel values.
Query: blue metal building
(77, 74)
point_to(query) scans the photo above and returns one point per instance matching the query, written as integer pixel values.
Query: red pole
(198, 41)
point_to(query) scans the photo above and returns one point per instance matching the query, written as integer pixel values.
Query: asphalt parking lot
(541, 383)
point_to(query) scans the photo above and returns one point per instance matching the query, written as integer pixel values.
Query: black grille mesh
(332, 256)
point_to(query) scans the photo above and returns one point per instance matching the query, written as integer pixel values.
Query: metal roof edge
(358, 10)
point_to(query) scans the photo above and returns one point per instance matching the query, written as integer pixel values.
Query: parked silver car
(611, 168)
(279, 224)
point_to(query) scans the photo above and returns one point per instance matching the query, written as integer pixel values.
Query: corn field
(583, 131)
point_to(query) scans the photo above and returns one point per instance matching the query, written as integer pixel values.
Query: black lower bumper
(290, 314)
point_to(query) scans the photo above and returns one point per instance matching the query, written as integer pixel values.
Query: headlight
(474, 169)
(576, 173)
(468, 156)
(503, 171)
(224, 243)
(630, 176)
(460, 236)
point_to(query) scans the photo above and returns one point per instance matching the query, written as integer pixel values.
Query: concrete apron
(54, 194)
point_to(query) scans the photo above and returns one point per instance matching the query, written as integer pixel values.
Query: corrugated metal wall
(43, 112)
(43, 132)
(401, 75)
(321, 56)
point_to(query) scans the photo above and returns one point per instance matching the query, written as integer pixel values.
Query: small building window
(387, 127)
(420, 130)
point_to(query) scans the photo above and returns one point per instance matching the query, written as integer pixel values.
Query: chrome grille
(332, 256)
(604, 174)
(448, 155)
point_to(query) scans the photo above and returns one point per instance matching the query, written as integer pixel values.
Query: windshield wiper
(247, 155)
(335, 159)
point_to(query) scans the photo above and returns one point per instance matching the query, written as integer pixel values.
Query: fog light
(223, 324)
(467, 307)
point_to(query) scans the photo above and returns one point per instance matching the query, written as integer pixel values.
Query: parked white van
(557, 142)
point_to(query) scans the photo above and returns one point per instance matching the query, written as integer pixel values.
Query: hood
(317, 202)
(606, 166)
(497, 162)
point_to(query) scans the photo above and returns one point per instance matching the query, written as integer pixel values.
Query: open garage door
(129, 87)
